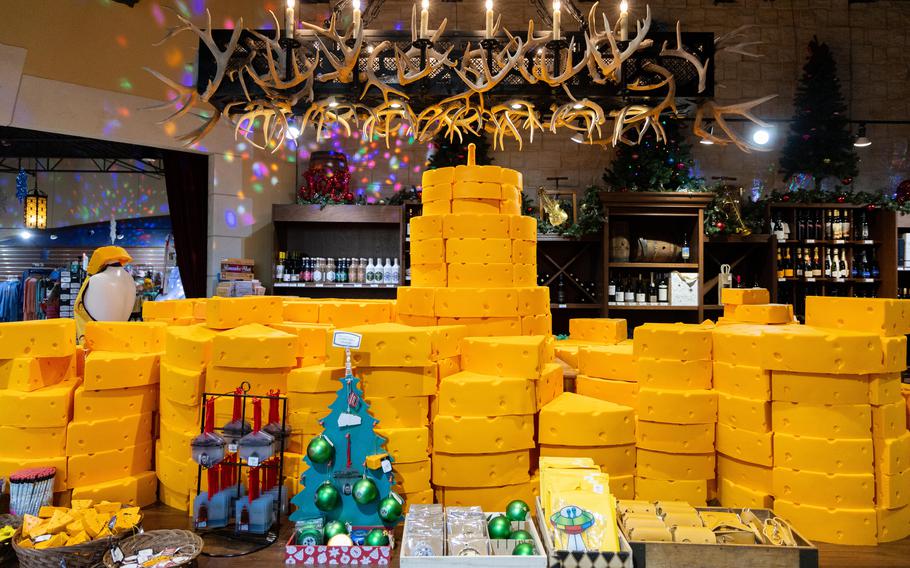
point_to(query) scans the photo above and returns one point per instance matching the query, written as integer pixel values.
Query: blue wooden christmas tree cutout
(350, 428)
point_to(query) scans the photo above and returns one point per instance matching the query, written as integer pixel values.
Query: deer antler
(222, 58)
(503, 118)
(700, 68)
(484, 80)
(725, 43)
(274, 123)
(600, 70)
(373, 81)
(719, 114)
(272, 80)
(345, 66)
(408, 70)
(542, 72)
(569, 114)
(531, 46)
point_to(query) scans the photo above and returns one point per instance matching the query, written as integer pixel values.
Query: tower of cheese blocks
(677, 413)
(607, 369)
(483, 427)
(474, 256)
(575, 425)
(109, 443)
(743, 385)
(37, 380)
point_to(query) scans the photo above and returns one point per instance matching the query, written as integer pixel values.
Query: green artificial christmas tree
(652, 165)
(450, 153)
(820, 143)
(341, 483)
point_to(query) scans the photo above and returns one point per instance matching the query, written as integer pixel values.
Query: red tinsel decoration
(326, 183)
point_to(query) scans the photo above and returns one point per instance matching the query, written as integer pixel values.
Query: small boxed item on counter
(315, 541)
(684, 288)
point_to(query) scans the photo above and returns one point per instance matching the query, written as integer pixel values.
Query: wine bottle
(816, 263)
(652, 291)
(828, 273)
(778, 228)
(780, 264)
(864, 270)
(864, 229)
(873, 266)
(560, 291)
(788, 264)
(641, 296)
(619, 295)
(800, 226)
(818, 225)
(686, 253)
(611, 290)
(845, 228)
(629, 291)
(799, 263)
(662, 291)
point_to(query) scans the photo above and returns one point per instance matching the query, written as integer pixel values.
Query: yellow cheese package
(585, 521)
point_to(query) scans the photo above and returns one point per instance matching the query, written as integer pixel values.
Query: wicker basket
(85, 555)
(189, 544)
(6, 548)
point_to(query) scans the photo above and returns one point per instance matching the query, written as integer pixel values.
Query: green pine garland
(590, 216)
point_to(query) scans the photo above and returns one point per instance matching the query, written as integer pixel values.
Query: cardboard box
(566, 559)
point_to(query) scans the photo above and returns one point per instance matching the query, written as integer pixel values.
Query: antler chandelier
(604, 83)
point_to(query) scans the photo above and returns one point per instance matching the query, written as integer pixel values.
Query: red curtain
(187, 179)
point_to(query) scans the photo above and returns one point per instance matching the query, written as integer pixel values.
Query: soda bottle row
(291, 267)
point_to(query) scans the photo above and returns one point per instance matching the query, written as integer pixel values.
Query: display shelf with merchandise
(572, 269)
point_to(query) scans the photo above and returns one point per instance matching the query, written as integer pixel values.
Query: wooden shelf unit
(750, 257)
(882, 241)
(341, 231)
(579, 262)
(656, 214)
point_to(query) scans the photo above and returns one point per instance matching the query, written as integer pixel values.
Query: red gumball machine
(327, 179)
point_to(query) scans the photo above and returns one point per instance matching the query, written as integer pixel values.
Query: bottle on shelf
(369, 271)
(780, 264)
(845, 228)
(652, 291)
(829, 225)
(560, 291)
(863, 227)
(788, 264)
(279, 267)
(396, 272)
(777, 227)
(686, 252)
(844, 271)
(629, 291)
(818, 228)
(838, 226)
(619, 295)
(799, 272)
(816, 264)
(387, 272)
(611, 290)
(873, 266)
(318, 270)
(800, 225)
(329, 273)
(663, 295)
(641, 295)
(828, 271)
(865, 271)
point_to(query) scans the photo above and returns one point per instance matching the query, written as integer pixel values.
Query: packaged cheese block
(178, 473)
(163, 310)
(227, 313)
(834, 525)
(745, 413)
(417, 301)
(429, 274)
(522, 275)
(885, 388)
(764, 313)
(181, 416)
(389, 345)
(482, 434)
(346, 313)
(537, 325)
(742, 380)
(440, 192)
(417, 498)
(893, 491)
(845, 490)
(125, 336)
(895, 354)
(488, 498)
(27, 374)
(412, 477)
(481, 470)
(807, 349)
(550, 385)
(471, 394)
(406, 445)
(306, 420)
(485, 326)
(881, 316)
(394, 381)
(188, 348)
(316, 378)
(533, 300)
(10, 465)
(622, 486)
(618, 392)
(400, 411)
(312, 339)
(415, 321)
(749, 475)
(510, 206)
(254, 346)
(473, 275)
(91, 405)
(677, 406)
(476, 227)
(440, 207)
(110, 370)
(520, 356)
(92, 436)
(576, 420)
(823, 455)
(445, 341)
(33, 442)
(892, 455)
(40, 338)
(893, 524)
(608, 362)
(522, 227)
(227, 379)
(439, 176)
(670, 466)
(179, 500)
(745, 445)
(310, 401)
(511, 178)
(820, 388)
(475, 206)
(694, 492)
(741, 296)
(686, 342)
(524, 252)
(889, 421)
(89, 469)
(673, 374)
(738, 345)
(447, 367)
(567, 352)
(44, 408)
(614, 460)
(426, 226)
(487, 174)
(599, 330)
(823, 421)
(428, 251)
(732, 495)
(302, 311)
(476, 302)
(476, 190)
(680, 438)
(135, 490)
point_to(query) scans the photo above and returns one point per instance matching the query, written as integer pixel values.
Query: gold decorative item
(550, 206)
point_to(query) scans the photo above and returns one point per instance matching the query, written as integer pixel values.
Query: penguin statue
(108, 293)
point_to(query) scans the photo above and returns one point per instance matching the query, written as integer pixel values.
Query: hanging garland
(21, 185)
(590, 216)
(898, 201)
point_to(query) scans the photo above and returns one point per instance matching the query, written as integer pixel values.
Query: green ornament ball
(390, 509)
(327, 497)
(333, 528)
(365, 491)
(517, 510)
(523, 549)
(320, 450)
(520, 535)
(499, 527)
(377, 537)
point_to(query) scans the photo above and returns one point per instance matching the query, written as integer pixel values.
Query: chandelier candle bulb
(424, 17)
(624, 21)
(557, 18)
(289, 19)
(488, 30)
(356, 16)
